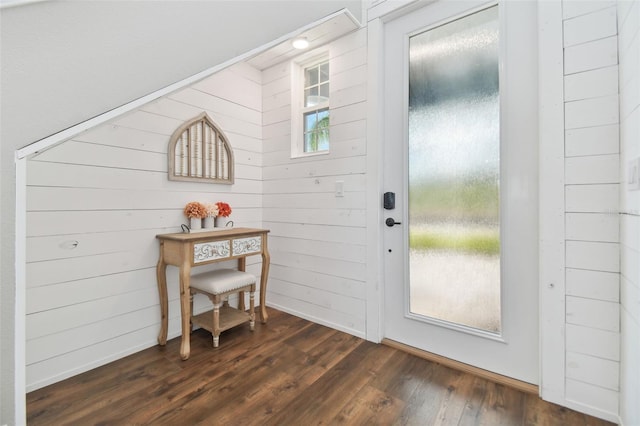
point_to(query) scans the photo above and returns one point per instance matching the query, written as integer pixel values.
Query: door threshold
(466, 368)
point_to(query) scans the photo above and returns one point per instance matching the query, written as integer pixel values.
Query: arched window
(200, 152)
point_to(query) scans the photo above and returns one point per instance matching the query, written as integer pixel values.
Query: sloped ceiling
(65, 62)
(317, 35)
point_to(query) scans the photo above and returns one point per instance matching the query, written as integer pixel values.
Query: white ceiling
(320, 33)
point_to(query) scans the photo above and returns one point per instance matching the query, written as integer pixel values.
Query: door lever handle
(391, 222)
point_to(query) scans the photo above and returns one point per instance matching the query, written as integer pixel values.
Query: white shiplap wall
(317, 240)
(592, 162)
(94, 206)
(629, 53)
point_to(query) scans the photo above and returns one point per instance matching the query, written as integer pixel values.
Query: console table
(202, 248)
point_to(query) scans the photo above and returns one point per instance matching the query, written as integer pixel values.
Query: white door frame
(551, 187)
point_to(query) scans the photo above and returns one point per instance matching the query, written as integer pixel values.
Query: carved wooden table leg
(185, 310)
(266, 258)
(161, 276)
(242, 266)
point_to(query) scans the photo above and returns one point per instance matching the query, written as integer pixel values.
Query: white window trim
(297, 107)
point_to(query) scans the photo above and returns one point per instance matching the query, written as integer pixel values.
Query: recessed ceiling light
(300, 43)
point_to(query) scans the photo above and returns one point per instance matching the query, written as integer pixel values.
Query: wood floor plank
(122, 382)
(325, 398)
(455, 400)
(501, 406)
(370, 407)
(471, 412)
(402, 375)
(287, 372)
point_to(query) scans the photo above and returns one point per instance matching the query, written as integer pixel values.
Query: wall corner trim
(551, 203)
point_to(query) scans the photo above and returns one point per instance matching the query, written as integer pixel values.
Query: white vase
(195, 223)
(222, 222)
(208, 222)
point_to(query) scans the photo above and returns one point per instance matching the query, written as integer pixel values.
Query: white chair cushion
(221, 281)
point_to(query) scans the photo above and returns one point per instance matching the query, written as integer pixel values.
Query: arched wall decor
(200, 152)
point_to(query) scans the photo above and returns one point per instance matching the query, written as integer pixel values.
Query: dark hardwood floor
(288, 372)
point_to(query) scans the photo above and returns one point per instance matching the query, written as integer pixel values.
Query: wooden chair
(218, 285)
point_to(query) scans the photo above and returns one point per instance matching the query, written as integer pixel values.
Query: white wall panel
(348, 113)
(630, 293)
(592, 341)
(321, 184)
(629, 62)
(628, 24)
(233, 86)
(630, 101)
(305, 307)
(592, 197)
(592, 169)
(592, 141)
(593, 313)
(592, 396)
(125, 137)
(58, 368)
(349, 95)
(318, 168)
(320, 280)
(630, 370)
(593, 255)
(46, 248)
(95, 205)
(629, 50)
(219, 109)
(84, 153)
(281, 114)
(343, 217)
(73, 292)
(148, 122)
(51, 199)
(573, 8)
(593, 284)
(314, 200)
(318, 263)
(591, 112)
(589, 27)
(592, 227)
(348, 59)
(64, 270)
(593, 370)
(591, 84)
(318, 250)
(340, 251)
(338, 234)
(589, 56)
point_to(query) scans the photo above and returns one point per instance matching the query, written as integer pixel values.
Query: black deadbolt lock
(389, 200)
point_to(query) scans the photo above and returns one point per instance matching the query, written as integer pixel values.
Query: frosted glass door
(460, 151)
(454, 172)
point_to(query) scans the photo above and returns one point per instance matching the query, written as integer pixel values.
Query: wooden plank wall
(629, 53)
(94, 206)
(592, 164)
(318, 240)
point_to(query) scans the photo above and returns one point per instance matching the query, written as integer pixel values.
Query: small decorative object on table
(211, 213)
(222, 219)
(195, 211)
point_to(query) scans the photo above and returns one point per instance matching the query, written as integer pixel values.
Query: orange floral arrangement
(224, 209)
(195, 210)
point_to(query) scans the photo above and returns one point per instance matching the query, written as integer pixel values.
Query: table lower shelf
(229, 317)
